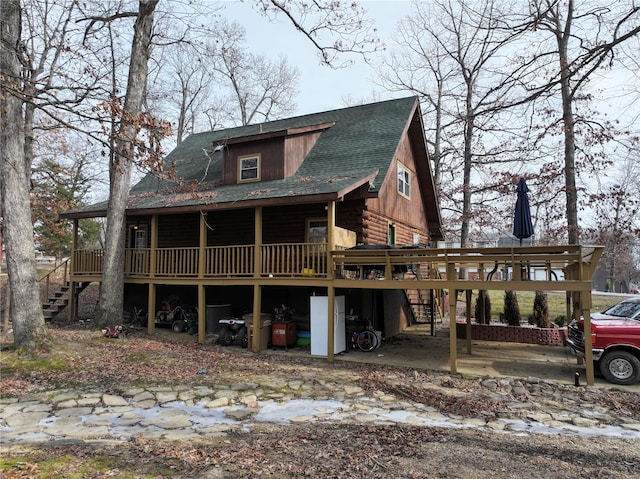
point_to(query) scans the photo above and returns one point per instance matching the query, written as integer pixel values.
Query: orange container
(283, 334)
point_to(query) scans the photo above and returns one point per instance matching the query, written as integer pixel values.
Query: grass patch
(557, 302)
(43, 466)
(15, 364)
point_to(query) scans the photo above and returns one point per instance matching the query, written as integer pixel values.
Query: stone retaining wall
(513, 334)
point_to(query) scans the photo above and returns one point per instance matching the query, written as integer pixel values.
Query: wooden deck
(566, 268)
(563, 267)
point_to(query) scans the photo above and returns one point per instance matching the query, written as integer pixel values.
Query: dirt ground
(318, 450)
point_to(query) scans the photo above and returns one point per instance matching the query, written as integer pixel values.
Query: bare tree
(190, 80)
(333, 28)
(260, 88)
(617, 224)
(29, 329)
(585, 39)
(502, 61)
(131, 117)
(70, 103)
(453, 55)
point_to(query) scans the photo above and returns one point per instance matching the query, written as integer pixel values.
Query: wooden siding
(178, 231)
(296, 149)
(407, 214)
(237, 227)
(271, 159)
(349, 215)
(288, 224)
(230, 227)
(377, 226)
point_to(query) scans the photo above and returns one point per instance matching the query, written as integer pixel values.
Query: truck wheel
(178, 326)
(620, 367)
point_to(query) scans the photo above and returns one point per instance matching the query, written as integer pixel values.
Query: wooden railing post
(203, 244)
(73, 307)
(257, 253)
(331, 238)
(453, 340)
(257, 289)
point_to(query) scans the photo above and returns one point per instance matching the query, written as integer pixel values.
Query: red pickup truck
(615, 341)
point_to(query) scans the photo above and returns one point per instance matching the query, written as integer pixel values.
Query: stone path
(201, 412)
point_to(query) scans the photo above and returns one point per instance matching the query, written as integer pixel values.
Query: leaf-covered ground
(83, 358)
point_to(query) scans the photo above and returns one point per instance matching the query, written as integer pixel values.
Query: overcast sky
(321, 87)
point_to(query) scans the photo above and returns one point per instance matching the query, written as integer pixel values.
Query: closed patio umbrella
(522, 224)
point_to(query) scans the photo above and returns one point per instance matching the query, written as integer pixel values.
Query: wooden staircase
(423, 307)
(57, 296)
(58, 300)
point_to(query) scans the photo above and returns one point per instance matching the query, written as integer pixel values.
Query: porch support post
(331, 239)
(257, 307)
(151, 309)
(73, 304)
(453, 344)
(468, 297)
(331, 292)
(257, 243)
(257, 289)
(588, 345)
(151, 303)
(202, 321)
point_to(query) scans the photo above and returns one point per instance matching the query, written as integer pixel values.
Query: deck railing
(575, 262)
(282, 259)
(294, 259)
(137, 261)
(229, 261)
(87, 262)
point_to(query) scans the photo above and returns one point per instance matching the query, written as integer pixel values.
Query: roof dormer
(266, 156)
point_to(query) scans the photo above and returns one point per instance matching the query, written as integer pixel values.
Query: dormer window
(249, 168)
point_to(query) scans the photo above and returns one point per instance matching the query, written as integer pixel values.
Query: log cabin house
(340, 203)
(247, 216)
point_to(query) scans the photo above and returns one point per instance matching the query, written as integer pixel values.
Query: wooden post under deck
(151, 303)
(453, 333)
(257, 289)
(202, 319)
(468, 299)
(73, 306)
(331, 293)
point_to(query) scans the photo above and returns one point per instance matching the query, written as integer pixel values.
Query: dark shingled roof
(359, 147)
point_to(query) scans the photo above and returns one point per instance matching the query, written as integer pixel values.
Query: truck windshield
(625, 309)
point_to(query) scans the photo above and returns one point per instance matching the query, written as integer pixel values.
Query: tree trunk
(112, 291)
(562, 37)
(29, 329)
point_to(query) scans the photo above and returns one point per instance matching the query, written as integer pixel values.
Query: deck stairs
(421, 302)
(58, 300)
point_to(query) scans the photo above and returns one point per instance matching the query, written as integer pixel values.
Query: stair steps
(58, 301)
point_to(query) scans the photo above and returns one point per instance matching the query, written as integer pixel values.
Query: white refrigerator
(319, 312)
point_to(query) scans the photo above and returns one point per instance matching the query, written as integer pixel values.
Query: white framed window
(404, 181)
(249, 168)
